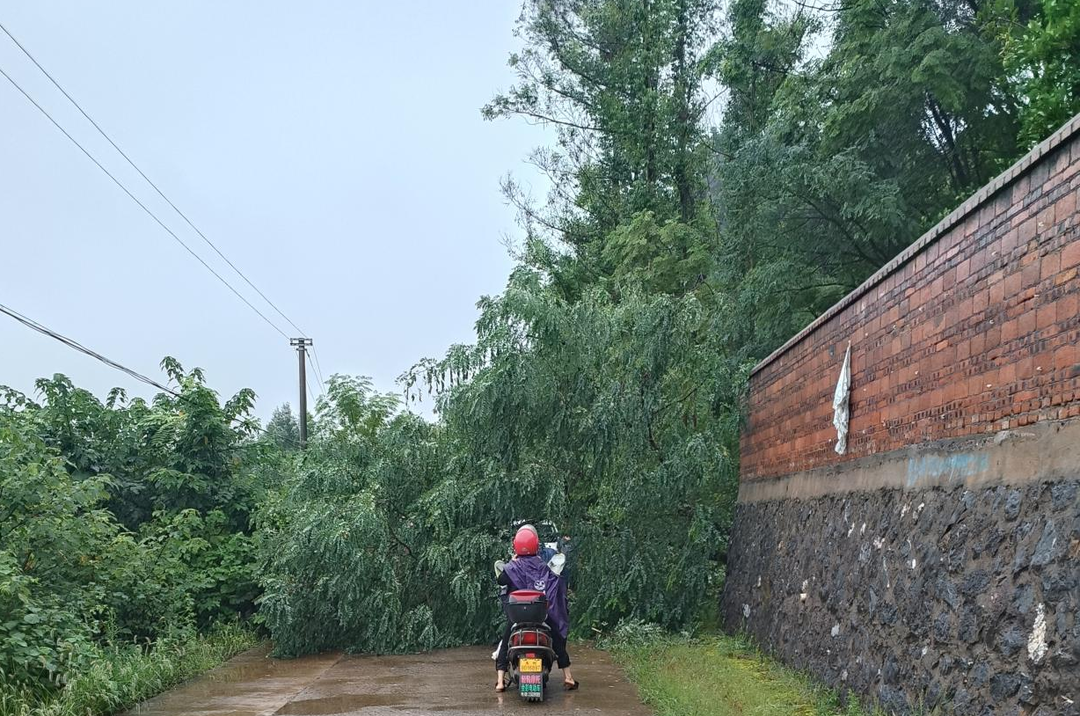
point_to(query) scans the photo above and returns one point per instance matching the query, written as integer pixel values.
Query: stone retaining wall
(943, 596)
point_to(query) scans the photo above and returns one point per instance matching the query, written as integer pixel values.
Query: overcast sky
(333, 150)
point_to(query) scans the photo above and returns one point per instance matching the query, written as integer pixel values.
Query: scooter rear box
(526, 607)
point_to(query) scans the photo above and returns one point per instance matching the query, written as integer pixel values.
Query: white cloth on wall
(841, 404)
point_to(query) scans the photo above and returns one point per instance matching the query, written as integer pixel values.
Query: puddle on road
(338, 704)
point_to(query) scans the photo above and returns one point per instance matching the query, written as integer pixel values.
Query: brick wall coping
(959, 214)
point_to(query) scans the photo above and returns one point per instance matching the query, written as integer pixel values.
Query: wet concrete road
(455, 682)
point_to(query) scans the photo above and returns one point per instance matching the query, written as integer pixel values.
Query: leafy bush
(181, 568)
(73, 578)
(53, 538)
(633, 633)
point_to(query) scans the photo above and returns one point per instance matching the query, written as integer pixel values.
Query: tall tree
(623, 83)
(838, 150)
(282, 429)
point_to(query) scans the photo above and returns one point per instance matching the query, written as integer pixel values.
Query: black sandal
(571, 686)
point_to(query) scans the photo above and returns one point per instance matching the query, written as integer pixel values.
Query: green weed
(121, 676)
(720, 676)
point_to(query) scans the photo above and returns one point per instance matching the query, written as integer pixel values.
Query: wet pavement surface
(454, 682)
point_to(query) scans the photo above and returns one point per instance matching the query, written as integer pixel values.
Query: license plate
(530, 666)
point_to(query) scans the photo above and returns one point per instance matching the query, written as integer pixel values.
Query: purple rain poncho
(533, 573)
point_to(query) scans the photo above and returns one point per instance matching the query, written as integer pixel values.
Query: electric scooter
(530, 651)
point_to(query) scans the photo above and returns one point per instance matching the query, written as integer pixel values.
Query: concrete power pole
(301, 351)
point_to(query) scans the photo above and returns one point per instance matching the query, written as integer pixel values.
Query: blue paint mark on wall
(938, 469)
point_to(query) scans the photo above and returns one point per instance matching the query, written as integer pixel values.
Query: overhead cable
(135, 199)
(72, 343)
(317, 368)
(149, 181)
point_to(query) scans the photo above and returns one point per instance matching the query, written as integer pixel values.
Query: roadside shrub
(53, 535)
(73, 578)
(119, 676)
(633, 633)
(182, 569)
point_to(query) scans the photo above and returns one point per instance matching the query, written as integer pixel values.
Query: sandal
(571, 685)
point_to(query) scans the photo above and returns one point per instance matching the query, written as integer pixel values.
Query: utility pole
(301, 351)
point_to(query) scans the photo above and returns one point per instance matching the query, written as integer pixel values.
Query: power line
(71, 343)
(318, 368)
(141, 205)
(311, 395)
(148, 180)
(322, 388)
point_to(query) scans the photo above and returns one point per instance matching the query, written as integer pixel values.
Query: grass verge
(125, 675)
(720, 676)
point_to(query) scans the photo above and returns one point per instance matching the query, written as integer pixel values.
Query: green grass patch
(721, 676)
(125, 675)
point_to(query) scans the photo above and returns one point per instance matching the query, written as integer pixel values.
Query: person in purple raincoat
(529, 571)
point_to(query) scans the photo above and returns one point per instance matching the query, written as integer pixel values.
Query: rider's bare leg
(500, 681)
(567, 677)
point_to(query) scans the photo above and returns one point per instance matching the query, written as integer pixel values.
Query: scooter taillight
(527, 638)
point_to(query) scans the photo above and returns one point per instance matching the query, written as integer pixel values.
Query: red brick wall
(973, 329)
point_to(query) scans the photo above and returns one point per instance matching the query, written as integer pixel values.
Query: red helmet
(526, 543)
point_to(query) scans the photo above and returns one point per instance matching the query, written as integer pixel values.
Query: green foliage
(831, 164)
(183, 567)
(119, 676)
(616, 418)
(53, 539)
(283, 429)
(343, 542)
(181, 452)
(1045, 62)
(623, 83)
(119, 522)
